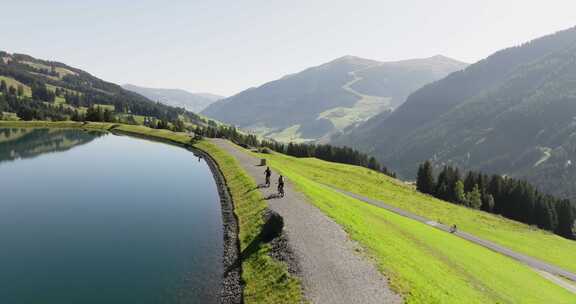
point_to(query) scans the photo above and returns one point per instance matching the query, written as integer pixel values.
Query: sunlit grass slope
(514, 235)
(423, 263)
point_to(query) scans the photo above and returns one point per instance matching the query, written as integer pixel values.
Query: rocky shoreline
(231, 286)
(280, 250)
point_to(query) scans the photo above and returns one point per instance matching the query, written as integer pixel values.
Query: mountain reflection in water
(16, 143)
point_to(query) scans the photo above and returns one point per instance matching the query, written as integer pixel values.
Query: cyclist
(453, 228)
(281, 186)
(268, 173)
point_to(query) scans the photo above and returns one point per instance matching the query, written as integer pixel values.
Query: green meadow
(424, 264)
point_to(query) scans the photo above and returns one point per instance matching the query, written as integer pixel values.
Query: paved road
(333, 270)
(530, 261)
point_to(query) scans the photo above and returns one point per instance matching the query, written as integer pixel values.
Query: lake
(89, 217)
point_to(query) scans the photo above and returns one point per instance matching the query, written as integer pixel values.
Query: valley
(400, 246)
(394, 175)
(321, 101)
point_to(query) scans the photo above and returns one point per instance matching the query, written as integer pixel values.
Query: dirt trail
(332, 269)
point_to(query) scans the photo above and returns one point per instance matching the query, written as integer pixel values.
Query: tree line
(344, 155)
(506, 196)
(29, 109)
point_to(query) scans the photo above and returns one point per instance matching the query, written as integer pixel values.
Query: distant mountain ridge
(195, 102)
(329, 98)
(513, 113)
(32, 88)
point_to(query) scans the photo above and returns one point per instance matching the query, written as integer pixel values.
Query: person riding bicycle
(268, 173)
(453, 228)
(281, 186)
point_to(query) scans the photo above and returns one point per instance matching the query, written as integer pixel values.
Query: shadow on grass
(271, 229)
(259, 186)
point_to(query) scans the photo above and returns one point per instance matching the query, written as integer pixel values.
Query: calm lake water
(99, 218)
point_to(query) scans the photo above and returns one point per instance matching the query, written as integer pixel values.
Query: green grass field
(60, 99)
(105, 107)
(13, 82)
(138, 118)
(61, 71)
(365, 108)
(424, 264)
(9, 116)
(514, 235)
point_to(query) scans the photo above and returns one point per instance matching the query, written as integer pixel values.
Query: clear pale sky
(224, 47)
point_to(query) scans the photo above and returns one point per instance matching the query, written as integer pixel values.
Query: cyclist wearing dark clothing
(268, 173)
(453, 229)
(281, 186)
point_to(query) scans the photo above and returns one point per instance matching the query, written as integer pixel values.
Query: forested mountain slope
(513, 113)
(329, 98)
(32, 88)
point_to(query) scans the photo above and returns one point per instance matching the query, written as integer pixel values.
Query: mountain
(194, 102)
(513, 113)
(329, 98)
(32, 88)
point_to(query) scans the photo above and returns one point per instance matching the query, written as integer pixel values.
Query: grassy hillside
(425, 264)
(15, 83)
(509, 114)
(514, 235)
(55, 91)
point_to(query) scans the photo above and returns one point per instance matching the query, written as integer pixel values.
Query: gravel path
(539, 265)
(332, 270)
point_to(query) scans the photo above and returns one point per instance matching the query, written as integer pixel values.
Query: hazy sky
(226, 46)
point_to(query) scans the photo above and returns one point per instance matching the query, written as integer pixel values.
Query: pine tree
(566, 219)
(425, 179)
(373, 164)
(441, 190)
(179, 126)
(487, 202)
(108, 116)
(495, 188)
(470, 181)
(546, 218)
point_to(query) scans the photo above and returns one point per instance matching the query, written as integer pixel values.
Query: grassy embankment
(425, 264)
(266, 280)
